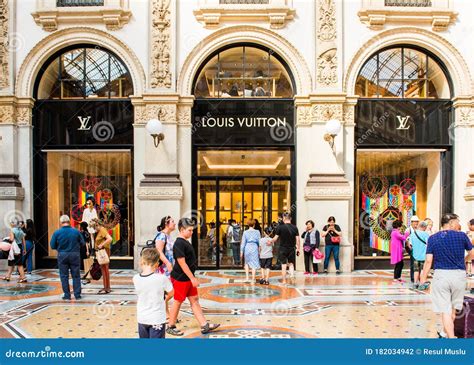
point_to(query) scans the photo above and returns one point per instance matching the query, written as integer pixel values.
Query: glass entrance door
(222, 201)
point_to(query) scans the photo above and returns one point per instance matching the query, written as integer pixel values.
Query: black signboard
(403, 123)
(243, 122)
(83, 123)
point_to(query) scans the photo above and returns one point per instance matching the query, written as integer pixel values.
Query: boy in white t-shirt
(150, 288)
(266, 256)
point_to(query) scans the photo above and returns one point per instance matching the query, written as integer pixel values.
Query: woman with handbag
(311, 242)
(332, 237)
(17, 251)
(102, 243)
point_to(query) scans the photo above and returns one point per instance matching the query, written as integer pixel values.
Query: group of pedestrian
(20, 245)
(74, 245)
(167, 271)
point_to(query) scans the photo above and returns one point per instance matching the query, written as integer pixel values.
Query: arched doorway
(243, 137)
(83, 145)
(403, 146)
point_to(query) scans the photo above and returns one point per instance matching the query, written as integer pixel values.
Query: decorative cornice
(469, 190)
(377, 18)
(160, 193)
(328, 187)
(215, 16)
(157, 180)
(112, 17)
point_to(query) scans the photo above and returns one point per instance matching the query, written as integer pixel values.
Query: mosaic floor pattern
(362, 304)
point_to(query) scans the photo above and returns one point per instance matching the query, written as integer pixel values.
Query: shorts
(183, 290)
(151, 331)
(447, 290)
(419, 265)
(17, 261)
(287, 255)
(266, 263)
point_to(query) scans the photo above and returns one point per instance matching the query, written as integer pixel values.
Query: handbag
(95, 271)
(102, 257)
(318, 256)
(335, 239)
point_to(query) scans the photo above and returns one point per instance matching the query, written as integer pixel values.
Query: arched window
(402, 72)
(244, 72)
(85, 72)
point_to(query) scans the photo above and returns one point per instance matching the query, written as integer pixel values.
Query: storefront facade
(244, 101)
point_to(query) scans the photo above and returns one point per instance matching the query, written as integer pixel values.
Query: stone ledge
(113, 17)
(328, 187)
(469, 190)
(213, 16)
(376, 18)
(12, 193)
(160, 187)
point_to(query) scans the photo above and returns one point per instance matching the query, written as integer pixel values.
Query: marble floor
(361, 304)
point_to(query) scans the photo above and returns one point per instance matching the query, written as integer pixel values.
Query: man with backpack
(233, 238)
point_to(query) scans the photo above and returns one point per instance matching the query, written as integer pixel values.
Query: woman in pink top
(397, 243)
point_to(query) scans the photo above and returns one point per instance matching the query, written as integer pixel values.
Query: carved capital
(328, 187)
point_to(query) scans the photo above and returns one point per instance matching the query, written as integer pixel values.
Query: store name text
(231, 122)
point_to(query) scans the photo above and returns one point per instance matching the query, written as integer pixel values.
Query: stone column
(462, 133)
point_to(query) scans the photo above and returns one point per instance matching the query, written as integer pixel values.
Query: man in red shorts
(184, 282)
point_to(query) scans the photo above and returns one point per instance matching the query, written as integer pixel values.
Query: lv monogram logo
(403, 122)
(84, 123)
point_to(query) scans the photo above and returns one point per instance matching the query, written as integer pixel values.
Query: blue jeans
(327, 253)
(236, 252)
(29, 256)
(70, 261)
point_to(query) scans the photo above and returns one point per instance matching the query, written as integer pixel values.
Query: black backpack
(152, 244)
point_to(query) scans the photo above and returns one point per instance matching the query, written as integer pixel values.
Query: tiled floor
(360, 304)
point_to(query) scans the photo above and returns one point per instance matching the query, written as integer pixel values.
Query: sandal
(173, 331)
(102, 291)
(209, 327)
(22, 281)
(6, 278)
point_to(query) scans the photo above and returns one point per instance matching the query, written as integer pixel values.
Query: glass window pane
(390, 88)
(389, 186)
(206, 85)
(230, 73)
(414, 66)
(49, 86)
(390, 64)
(72, 67)
(438, 86)
(415, 89)
(75, 176)
(72, 89)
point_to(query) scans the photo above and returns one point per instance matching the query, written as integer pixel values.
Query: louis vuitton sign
(403, 123)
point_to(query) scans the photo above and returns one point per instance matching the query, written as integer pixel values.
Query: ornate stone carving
(4, 45)
(10, 187)
(140, 114)
(327, 67)
(160, 193)
(303, 115)
(464, 116)
(24, 115)
(348, 111)
(161, 44)
(184, 115)
(469, 190)
(321, 113)
(165, 113)
(326, 30)
(7, 114)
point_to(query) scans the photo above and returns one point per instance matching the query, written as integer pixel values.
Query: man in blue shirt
(445, 251)
(68, 241)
